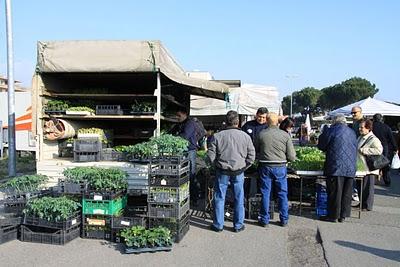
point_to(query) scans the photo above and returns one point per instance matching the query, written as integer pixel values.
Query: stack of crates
(321, 201)
(97, 212)
(168, 196)
(87, 149)
(254, 206)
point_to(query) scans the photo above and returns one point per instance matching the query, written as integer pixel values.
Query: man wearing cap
(339, 142)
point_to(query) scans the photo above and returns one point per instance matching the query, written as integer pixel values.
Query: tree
(345, 93)
(305, 98)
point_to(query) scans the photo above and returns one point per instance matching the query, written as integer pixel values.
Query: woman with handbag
(368, 145)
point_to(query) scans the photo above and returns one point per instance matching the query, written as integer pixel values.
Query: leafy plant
(56, 105)
(308, 159)
(168, 144)
(139, 237)
(98, 179)
(81, 108)
(51, 209)
(144, 107)
(97, 131)
(25, 183)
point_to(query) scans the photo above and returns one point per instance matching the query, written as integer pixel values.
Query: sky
(286, 44)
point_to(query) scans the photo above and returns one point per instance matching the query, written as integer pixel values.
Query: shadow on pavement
(116, 246)
(383, 253)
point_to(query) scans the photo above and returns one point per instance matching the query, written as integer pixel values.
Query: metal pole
(11, 95)
(1, 140)
(158, 130)
(291, 104)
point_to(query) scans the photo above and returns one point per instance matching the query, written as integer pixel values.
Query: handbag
(375, 162)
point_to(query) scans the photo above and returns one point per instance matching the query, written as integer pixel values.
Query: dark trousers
(386, 171)
(339, 191)
(368, 191)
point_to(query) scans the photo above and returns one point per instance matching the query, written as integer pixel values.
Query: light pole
(291, 77)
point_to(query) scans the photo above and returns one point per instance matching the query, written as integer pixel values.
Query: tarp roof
(119, 56)
(245, 100)
(370, 106)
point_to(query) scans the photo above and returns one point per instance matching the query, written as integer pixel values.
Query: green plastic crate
(104, 207)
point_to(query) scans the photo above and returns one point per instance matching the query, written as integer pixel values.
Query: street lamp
(291, 77)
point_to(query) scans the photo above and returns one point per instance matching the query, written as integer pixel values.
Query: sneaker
(341, 220)
(240, 229)
(265, 225)
(355, 197)
(215, 229)
(283, 224)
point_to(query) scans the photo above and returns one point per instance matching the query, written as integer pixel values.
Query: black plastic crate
(87, 145)
(163, 210)
(163, 194)
(48, 236)
(65, 149)
(170, 168)
(106, 195)
(96, 232)
(109, 154)
(10, 220)
(169, 159)
(170, 181)
(109, 110)
(254, 206)
(87, 156)
(178, 227)
(70, 188)
(16, 206)
(137, 210)
(126, 222)
(8, 233)
(69, 223)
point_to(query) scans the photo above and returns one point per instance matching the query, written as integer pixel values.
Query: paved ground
(371, 241)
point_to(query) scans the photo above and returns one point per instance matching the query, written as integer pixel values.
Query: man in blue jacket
(254, 127)
(340, 144)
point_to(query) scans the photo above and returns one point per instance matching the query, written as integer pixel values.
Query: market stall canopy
(120, 56)
(371, 106)
(245, 100)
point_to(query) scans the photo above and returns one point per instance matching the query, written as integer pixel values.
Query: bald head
(273, 119)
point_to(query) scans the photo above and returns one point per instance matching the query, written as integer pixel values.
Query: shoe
(215, 229)
(355, 197)
(240, 229)
(327, 219)
(265, 225)
(283, 224)
(341, 220)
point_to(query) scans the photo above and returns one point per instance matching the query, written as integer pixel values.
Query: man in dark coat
(385, 135)
(340, 144)
(254, 127)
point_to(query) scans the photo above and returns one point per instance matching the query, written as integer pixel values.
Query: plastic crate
(321, 201)
(8, 233)
(137, 210)
(63, 225)
(169, 181)
(106, 195)
(87, 145)
(109, 154)
(10, 220)
(65, 149)
(69, 188)
(87, 156)
(104, 207)
(168, 168)
(16, 206)
(172, 159)
(109, 110)
(125, 222)
(168, 194)
(178, 228)
(48, 236)
(162, 210)
(130, 250)
(254, 206)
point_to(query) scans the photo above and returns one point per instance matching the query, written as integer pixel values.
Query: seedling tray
(167, 168)
(161, 210)
(163, 194)
(130, 250)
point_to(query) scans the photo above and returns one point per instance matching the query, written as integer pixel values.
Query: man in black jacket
(385, 135)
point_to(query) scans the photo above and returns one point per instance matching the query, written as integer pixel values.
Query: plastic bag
(395, 162)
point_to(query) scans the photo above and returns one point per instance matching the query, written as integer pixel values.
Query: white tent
(245, 100)
(371, 106)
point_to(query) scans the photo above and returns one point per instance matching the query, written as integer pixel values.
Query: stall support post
(158, 94)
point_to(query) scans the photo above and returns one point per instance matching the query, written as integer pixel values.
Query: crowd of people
(233, 150)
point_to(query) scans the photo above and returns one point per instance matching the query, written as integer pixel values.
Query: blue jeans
(220, 186)
(278, 176)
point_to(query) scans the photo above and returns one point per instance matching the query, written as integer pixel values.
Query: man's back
(385, 135)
